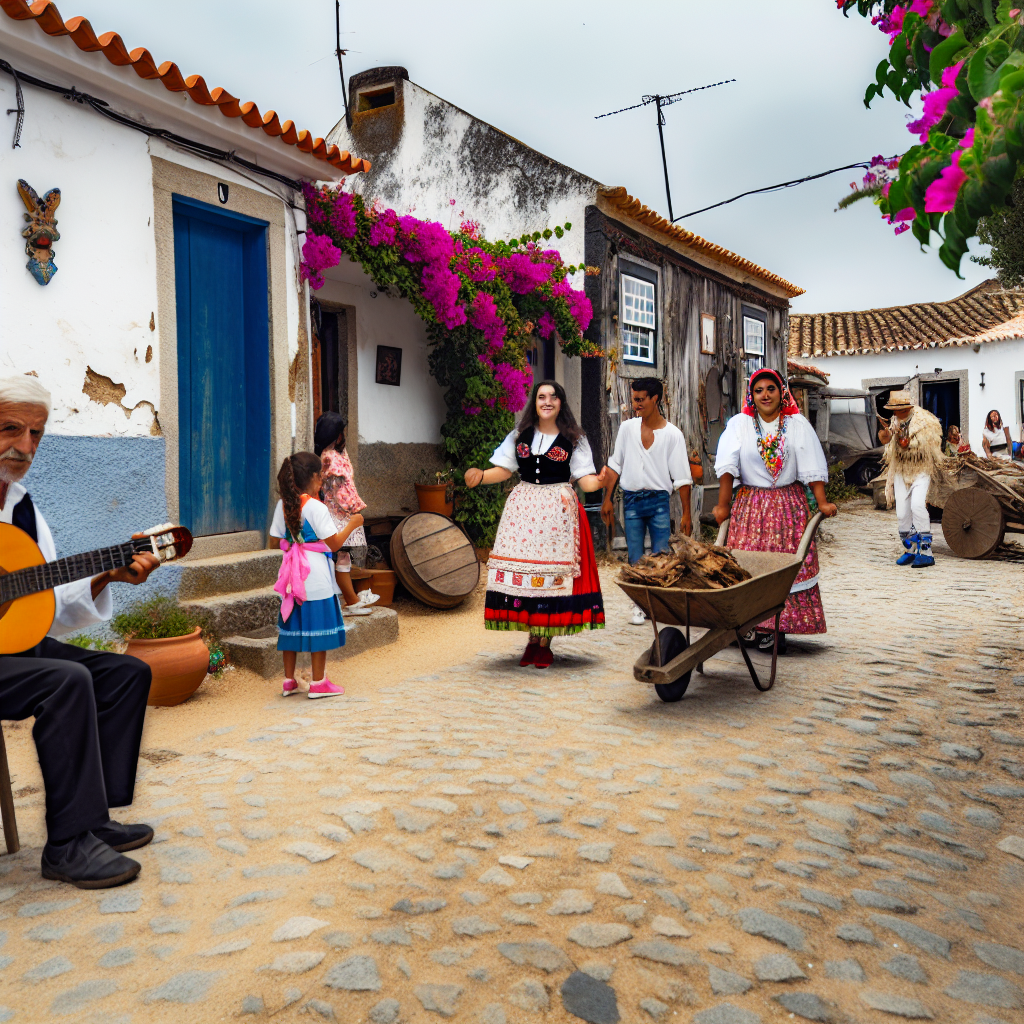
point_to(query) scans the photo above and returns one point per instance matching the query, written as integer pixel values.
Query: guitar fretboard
(64, 570)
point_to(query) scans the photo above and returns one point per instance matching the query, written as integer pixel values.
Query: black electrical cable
(339, 51)
(773, 188)
(104, 108)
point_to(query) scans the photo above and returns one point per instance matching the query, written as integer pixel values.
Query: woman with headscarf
(772, 453)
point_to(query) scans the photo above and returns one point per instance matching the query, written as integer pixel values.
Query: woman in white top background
(542, 574)
(995, 437)
(772, 452)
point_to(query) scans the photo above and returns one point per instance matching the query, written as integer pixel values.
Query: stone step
(256, 649)
(228, 574)
(231, 614)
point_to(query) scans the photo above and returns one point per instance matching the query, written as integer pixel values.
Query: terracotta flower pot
(381, 582)
(697, 471)
(179, 665)
(431, 498)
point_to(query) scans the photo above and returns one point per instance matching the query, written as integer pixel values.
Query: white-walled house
(439, 162)
(960, 358)
(174, 333)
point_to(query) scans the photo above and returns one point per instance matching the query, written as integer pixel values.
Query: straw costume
(913, 458)
(773, 462)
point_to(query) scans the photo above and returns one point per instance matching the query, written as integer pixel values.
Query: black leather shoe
(123, 837)
(88, 863)
(766, 641)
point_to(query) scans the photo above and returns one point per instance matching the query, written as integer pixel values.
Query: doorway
(942, 399)
(220, 271)
(330, 361)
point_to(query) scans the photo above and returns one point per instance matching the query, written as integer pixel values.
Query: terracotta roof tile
(987, 312)
(619, 198)
(805, 369)
(141, 61)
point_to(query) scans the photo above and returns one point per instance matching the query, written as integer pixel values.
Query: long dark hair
(329, 429)
(565, 421)
(293, 480)
(988, 419)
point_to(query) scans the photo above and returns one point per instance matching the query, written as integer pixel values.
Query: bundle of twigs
(689, 565)
(1000, 477)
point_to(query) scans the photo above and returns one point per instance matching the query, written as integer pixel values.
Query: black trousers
(89, 708)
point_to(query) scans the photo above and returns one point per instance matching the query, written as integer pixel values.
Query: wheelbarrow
(726, 614)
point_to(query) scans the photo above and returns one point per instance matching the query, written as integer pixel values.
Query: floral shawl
(339, 489)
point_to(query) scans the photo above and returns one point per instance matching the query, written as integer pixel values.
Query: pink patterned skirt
(774, 519)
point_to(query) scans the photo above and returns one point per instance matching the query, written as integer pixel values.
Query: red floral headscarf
(788, 407)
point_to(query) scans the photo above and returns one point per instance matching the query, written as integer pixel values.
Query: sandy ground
(868, 769)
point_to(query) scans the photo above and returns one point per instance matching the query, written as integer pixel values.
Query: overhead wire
(775, 188)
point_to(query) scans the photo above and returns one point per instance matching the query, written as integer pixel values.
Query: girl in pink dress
(343, 502)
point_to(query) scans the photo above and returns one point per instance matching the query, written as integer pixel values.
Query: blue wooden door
(220, 268)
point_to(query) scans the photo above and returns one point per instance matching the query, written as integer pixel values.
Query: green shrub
(90, 643)
(156, 619)
(837, 489)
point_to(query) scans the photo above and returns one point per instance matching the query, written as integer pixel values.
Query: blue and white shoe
(910, 542)
(924, 555)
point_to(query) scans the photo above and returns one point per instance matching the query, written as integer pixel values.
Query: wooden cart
(726, 614)
(979, 504)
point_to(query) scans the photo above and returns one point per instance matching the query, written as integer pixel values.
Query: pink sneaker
(325, 688)
(288, 687)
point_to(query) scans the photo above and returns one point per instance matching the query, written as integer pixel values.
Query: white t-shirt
(803, 457)
(75, 608)
(665, 466)
(581, 463)
(995, 437)
(320, 583)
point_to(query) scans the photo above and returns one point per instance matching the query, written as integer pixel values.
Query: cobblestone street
(494, 844)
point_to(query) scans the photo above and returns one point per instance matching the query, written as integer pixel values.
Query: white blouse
(580, 464)
(803, 457)
(996, 437)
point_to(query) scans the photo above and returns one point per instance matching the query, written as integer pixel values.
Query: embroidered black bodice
(552, 467)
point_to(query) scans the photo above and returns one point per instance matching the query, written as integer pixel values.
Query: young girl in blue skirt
(310, 618)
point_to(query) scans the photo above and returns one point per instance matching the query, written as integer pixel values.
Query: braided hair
(297, 471)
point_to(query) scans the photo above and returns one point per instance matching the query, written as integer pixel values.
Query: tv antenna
(660, 102)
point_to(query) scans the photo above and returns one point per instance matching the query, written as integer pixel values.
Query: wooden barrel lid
(434, 560)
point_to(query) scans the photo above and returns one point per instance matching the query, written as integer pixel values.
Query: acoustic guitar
(27, 580)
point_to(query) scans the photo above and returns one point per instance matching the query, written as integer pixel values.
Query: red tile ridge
(141, 61)
(618, 197)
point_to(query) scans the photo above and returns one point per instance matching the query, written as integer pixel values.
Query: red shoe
(530, 654)
(544, 657)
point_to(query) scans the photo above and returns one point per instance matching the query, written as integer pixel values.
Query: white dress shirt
(75, 607)
(803, 457)
(665, 466)
(581, 463)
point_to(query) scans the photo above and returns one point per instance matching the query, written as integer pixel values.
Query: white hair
(24, 389)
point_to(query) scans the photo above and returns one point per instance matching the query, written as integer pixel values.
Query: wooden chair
(7, 802)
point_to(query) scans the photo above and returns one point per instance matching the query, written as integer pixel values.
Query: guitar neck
(64, 570)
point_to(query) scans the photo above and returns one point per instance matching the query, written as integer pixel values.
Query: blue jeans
(645, 511)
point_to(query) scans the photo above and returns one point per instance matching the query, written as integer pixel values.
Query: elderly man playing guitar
(89, 707)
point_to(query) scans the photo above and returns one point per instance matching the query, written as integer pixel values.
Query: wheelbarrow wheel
(673, 643)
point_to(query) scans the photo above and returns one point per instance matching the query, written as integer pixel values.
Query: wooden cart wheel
(673, 643)
(973, 523)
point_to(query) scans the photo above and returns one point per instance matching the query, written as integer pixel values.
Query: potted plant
(170, 640)
(435, 491)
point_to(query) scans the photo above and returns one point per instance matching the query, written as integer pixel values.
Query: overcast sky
(542, 69)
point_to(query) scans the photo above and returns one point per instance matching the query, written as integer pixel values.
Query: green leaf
(568, 226)
(559, 232)
(944, 55)
(547, 233)
(985, 69)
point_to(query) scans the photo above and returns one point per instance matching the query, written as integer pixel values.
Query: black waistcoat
(24, 517)
(550, 468)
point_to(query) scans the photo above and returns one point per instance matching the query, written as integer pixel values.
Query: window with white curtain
(638, 319)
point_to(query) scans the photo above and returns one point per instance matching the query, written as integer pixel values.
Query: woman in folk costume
(773, 454)
(542, 574)
(913, 457)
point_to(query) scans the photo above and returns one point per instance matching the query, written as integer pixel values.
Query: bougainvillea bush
(965, 58)
(484, 303)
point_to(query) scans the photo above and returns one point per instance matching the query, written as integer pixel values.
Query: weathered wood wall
(686, 291)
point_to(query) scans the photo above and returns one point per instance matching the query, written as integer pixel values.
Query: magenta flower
(516, 385)
(383, 229)
(472, 410)
(940, 196)
(476, 264)
(441, 290)
(545, 325)
(579, 305)
(484, 317)
(521, 274)
(343, 216)
(319, 252)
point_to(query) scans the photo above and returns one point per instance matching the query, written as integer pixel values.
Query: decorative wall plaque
(41, 232)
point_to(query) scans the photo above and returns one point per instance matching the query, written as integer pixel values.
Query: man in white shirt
(650, 460)
(89, 706)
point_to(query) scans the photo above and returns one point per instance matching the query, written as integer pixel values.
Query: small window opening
(371, 99)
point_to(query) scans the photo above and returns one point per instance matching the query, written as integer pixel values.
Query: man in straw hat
(89, 706)
(913, 455)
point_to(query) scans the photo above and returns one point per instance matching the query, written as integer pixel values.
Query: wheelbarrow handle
(809, 531)
(723, 533)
